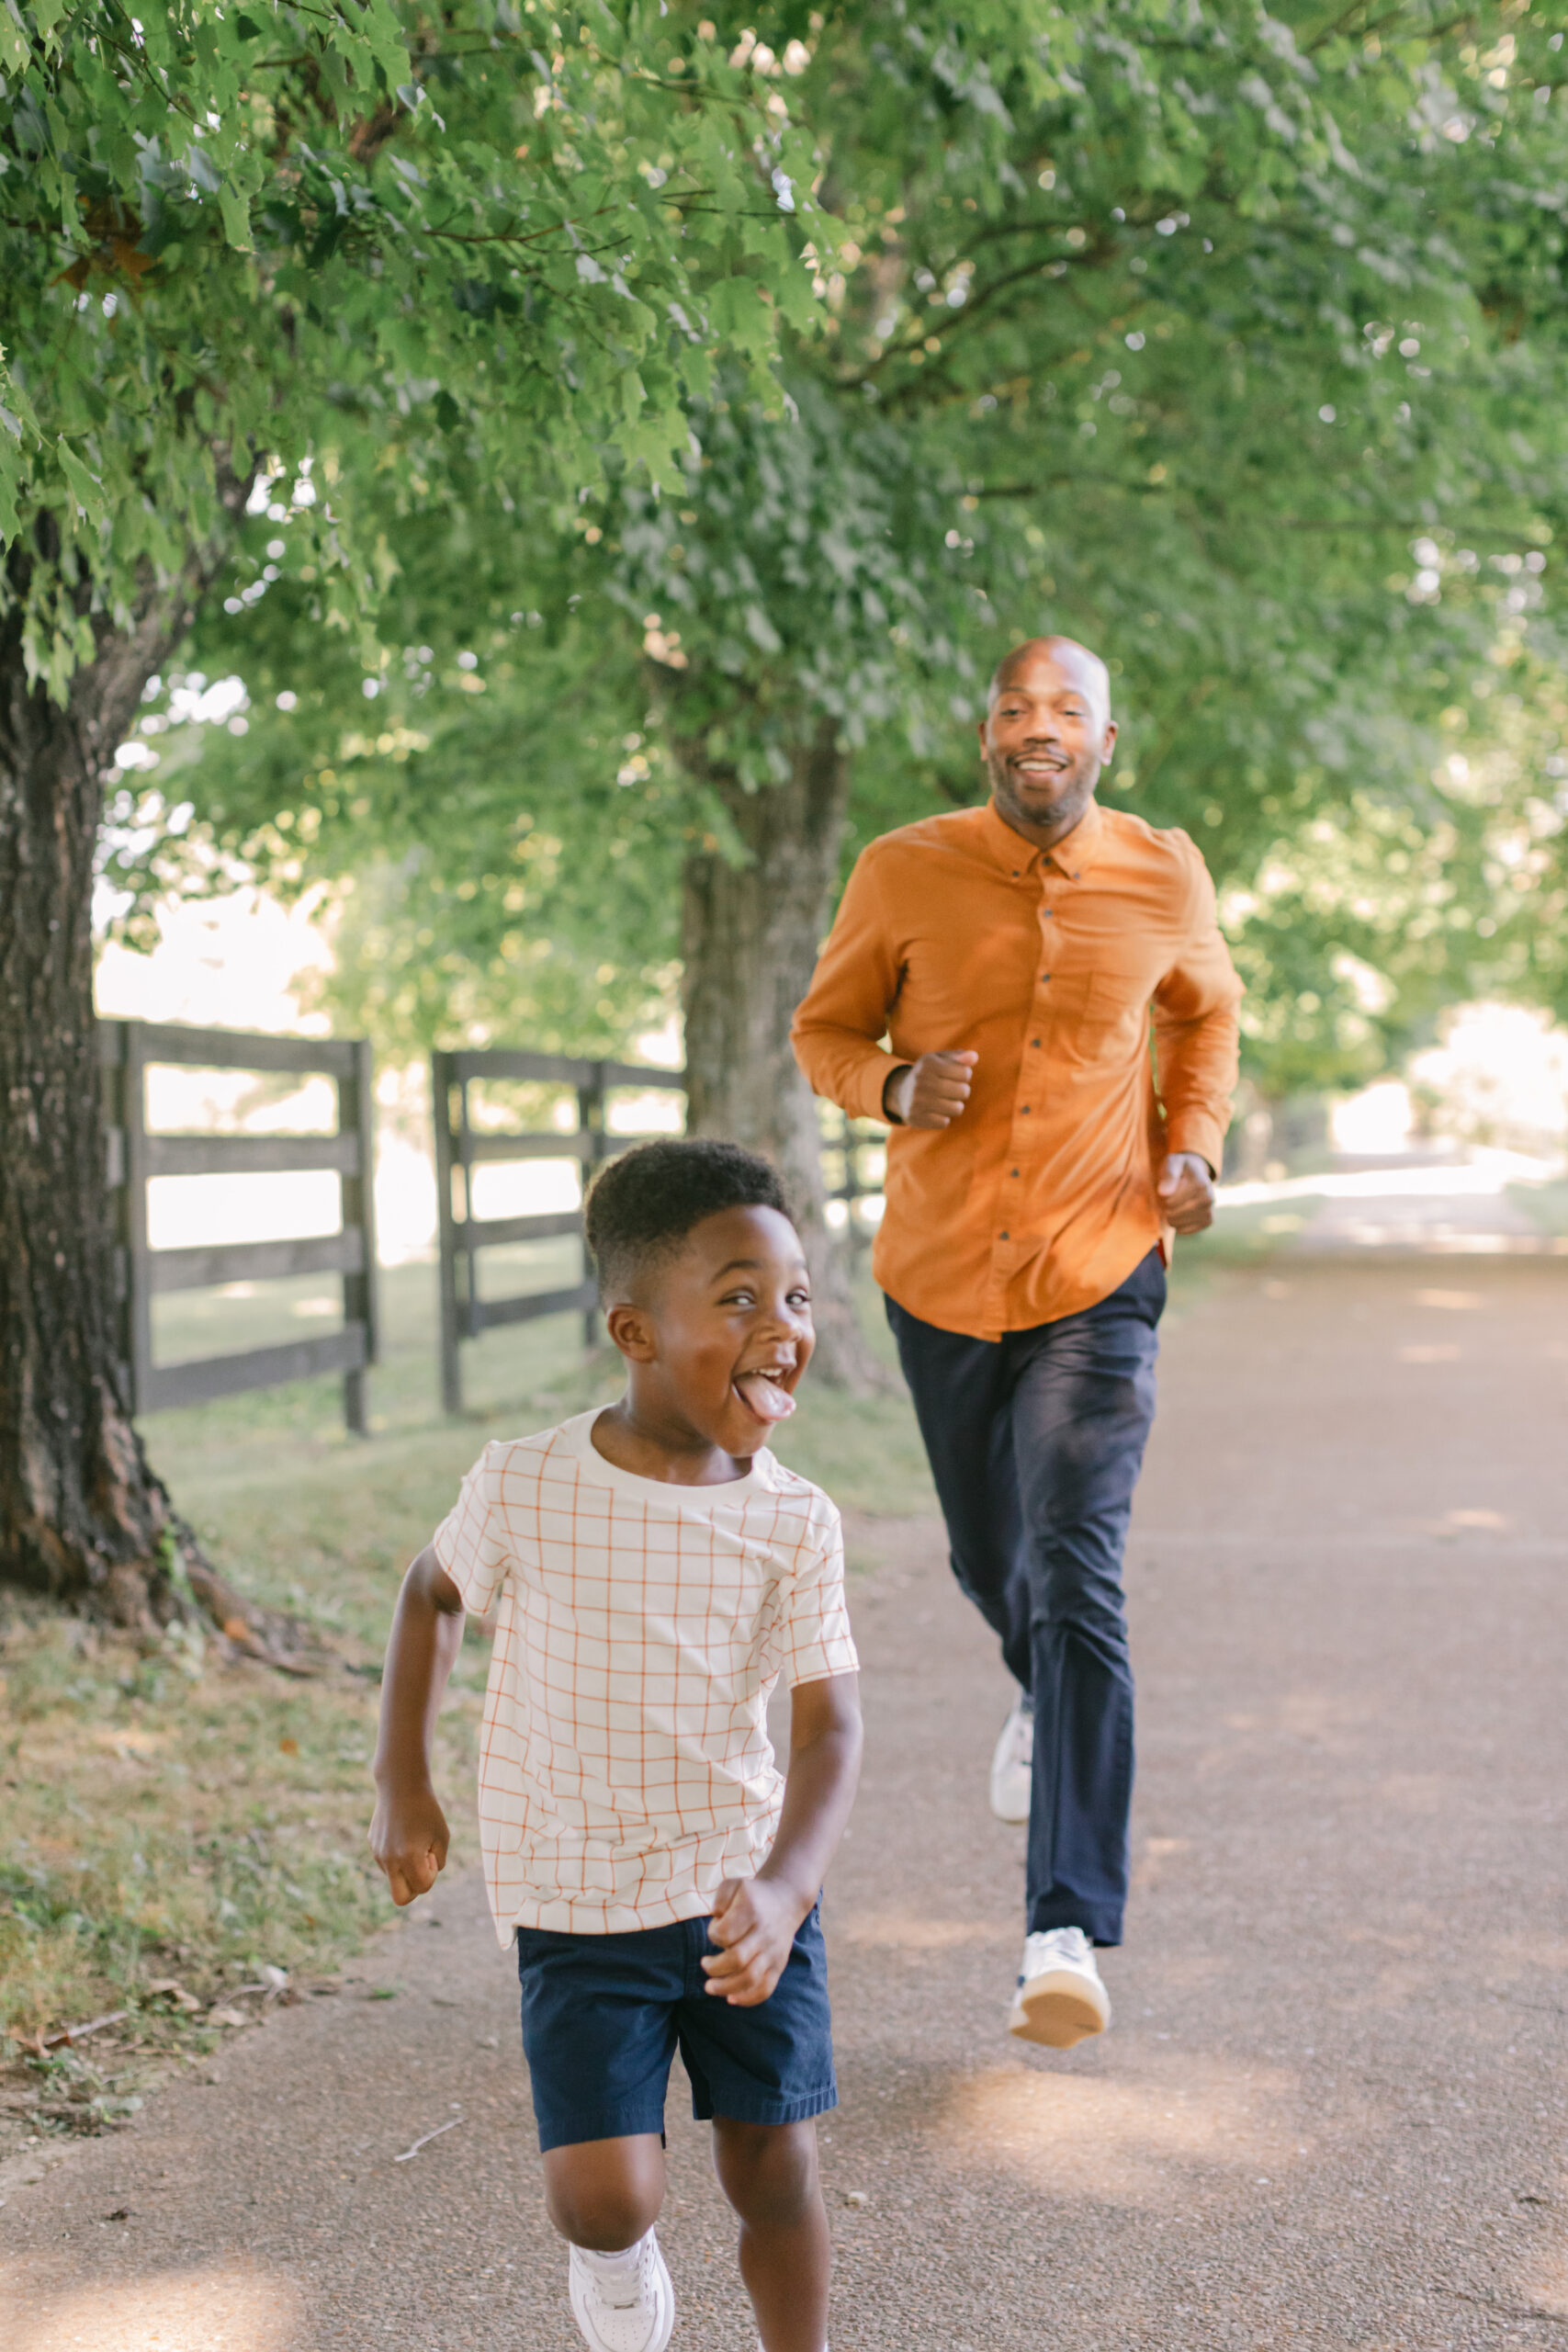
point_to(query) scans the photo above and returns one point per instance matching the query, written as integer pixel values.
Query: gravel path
(1331, 2111)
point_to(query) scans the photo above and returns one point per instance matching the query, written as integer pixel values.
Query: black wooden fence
(127, 1047)
(460, 1148)
(848, 1145)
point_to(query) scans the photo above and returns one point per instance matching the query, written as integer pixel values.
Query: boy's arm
(408, 1832)
(754, 1920)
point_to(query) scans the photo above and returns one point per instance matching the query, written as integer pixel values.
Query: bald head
(1084, 669)
(1046, 734)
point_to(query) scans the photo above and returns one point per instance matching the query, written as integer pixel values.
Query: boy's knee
(767, 2171)
(603, 2221)
(603, 2205)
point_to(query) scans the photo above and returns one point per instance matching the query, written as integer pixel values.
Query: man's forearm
(1196, 1071)
(844, 1066)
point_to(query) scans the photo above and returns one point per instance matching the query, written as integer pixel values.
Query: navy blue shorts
(603, 2017)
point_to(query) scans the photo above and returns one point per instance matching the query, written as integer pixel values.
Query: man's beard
(1068, 783)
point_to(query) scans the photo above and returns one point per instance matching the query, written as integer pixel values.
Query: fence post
(591, 1120)
(357, 1116)
(441, 1080)
(138, 1308)
(851, 1186)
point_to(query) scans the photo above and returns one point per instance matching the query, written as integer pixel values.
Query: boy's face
(724, 1331)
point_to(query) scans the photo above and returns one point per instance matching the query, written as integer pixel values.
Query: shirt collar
(576, 1435)
(1072, 857)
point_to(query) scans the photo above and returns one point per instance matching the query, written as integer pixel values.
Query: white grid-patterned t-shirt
(626, 1768)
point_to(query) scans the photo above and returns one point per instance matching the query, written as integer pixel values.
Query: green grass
(1546, 1205)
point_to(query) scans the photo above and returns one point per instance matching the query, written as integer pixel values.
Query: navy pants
(1036, 1442)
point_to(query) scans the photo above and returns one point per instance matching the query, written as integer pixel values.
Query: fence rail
(127, 1049)
(460, 1148)
(136, 1156)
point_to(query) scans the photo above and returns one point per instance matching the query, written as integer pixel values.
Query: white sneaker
(1012, 1765)
(1060, 1998)
(623, 2303)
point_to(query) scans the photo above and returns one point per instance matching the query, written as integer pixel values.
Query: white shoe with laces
(1012, 1765)
(1060, 1998)
(623, 2303)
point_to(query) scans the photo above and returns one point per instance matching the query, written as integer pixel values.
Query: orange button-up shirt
(1040, 1199)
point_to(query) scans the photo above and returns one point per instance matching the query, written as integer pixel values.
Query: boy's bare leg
(606, 2194)
(767, 2171)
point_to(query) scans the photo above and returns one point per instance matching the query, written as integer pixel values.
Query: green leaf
(202, 169)
(236, 217)
(85, 486)
(13, 38)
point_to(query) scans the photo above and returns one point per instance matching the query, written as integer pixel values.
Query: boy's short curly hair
(641, 1207)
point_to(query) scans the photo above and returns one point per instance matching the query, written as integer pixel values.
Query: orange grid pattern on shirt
(625, 1769)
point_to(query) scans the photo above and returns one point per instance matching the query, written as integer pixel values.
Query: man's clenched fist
(930, 1093)
(1186, 1192)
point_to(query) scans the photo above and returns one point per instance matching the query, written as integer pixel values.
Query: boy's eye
(800, 1298)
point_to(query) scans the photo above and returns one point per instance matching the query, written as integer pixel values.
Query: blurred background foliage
(1227, 341)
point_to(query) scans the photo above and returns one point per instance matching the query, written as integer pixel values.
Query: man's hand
(753, 1923)
(1186, 1192)
(929, 1092)
(408, 1839)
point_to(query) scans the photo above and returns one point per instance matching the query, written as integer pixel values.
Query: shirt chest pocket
(1111, 1018)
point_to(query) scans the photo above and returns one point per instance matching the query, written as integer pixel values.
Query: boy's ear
(631, 1328)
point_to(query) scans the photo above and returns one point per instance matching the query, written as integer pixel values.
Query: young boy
(653, 1570)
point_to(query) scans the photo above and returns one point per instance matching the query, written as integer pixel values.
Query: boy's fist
(408, 1839)
(753, 1924)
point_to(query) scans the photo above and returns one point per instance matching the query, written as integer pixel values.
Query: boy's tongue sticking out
(764, 1396)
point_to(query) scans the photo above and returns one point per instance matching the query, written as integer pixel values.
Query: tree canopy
(613, 444)
(1225, 340)
(346, 242)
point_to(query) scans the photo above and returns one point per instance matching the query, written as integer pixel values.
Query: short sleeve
(470, 1541)
(818, 1643)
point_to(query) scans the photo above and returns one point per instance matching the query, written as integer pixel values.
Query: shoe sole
(1057, 2014)
(1003, 1814)
(664, 2325)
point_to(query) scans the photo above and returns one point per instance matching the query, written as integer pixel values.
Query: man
(1012, 955)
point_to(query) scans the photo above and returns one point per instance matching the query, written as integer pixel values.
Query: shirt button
(1034, 1041)
(1012, 1171)
(1026, 1110)
(1002, 1237)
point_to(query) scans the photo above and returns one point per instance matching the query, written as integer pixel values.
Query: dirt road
(1332, 2109)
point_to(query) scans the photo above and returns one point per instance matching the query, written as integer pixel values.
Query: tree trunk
(82, 1519)
(751, 932)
